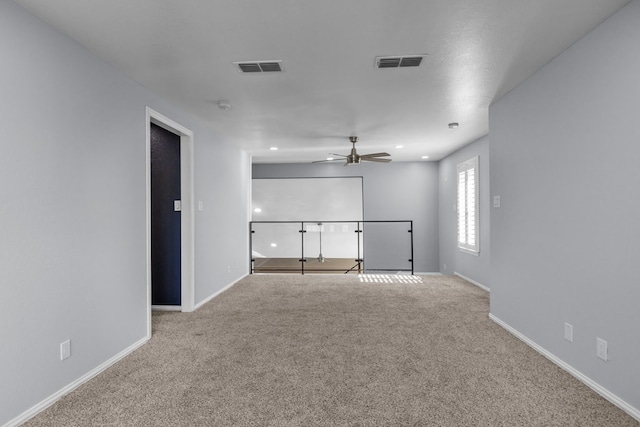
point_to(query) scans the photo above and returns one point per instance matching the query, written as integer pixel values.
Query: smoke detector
(224, 104)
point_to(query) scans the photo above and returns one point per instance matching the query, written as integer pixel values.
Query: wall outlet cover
(568, 332)
(602, 349)
(65, 349)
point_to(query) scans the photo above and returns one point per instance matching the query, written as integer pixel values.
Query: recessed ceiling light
(453, 125)
(258, 210)
(399, 146)
(425, 157)
(274, 245)
(273, 148)
(330, 158)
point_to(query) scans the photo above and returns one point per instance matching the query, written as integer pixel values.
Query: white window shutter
(468, 211)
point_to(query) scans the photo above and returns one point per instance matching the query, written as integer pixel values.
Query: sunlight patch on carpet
(389, 278)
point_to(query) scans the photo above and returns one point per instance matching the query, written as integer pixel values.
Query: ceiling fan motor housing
(353, 159)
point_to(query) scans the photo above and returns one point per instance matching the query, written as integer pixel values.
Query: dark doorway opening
(166, 256)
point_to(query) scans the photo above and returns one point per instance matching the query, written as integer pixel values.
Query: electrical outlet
(496, 201)
(602, 349)
(445, 266)
(65, 349)
(228, 269)
(568, 332)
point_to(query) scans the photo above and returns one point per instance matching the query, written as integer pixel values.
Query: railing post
(302, 259)
(411, 231)
(251, 247)
(359, 233)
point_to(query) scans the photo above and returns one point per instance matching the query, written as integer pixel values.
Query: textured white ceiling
(477, 51)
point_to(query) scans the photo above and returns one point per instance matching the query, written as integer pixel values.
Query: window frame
(471, 224)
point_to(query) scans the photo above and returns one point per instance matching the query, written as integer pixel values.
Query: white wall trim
(34, 410)
(188, 220)
(473, 282)
(428, 273)
(626, 407)
(215, 294)
(188, 212)
(166, 308)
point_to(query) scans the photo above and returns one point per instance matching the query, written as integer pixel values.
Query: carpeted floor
(335, 351)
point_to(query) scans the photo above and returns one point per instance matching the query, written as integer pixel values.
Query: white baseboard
(34, 410)
(429, 273)
(478, 284)
(215, 294)
(626, 407)
(166, 308)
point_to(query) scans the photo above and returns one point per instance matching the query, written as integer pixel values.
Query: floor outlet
(568, 332)
(601, 349)
(65, 349)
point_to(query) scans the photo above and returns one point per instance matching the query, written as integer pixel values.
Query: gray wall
(393, 191)
(72, 218)
(564, 149)
(223, 184)
(452, 260)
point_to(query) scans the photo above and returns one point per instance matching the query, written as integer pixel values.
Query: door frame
(187, 216)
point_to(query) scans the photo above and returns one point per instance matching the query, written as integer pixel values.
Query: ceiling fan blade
(375, 155)
(334, 154)
(325, 161)
(374, 159)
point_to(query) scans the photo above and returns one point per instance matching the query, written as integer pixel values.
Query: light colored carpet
(335, 351)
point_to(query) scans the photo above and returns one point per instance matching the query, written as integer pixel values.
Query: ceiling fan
(354, 158)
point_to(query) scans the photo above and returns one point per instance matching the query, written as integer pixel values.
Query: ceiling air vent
(399, 61)
(388, 62)
(259, 66)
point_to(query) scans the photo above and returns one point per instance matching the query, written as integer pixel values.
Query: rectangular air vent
(399, 61)
(259, 66)
(388, 62)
